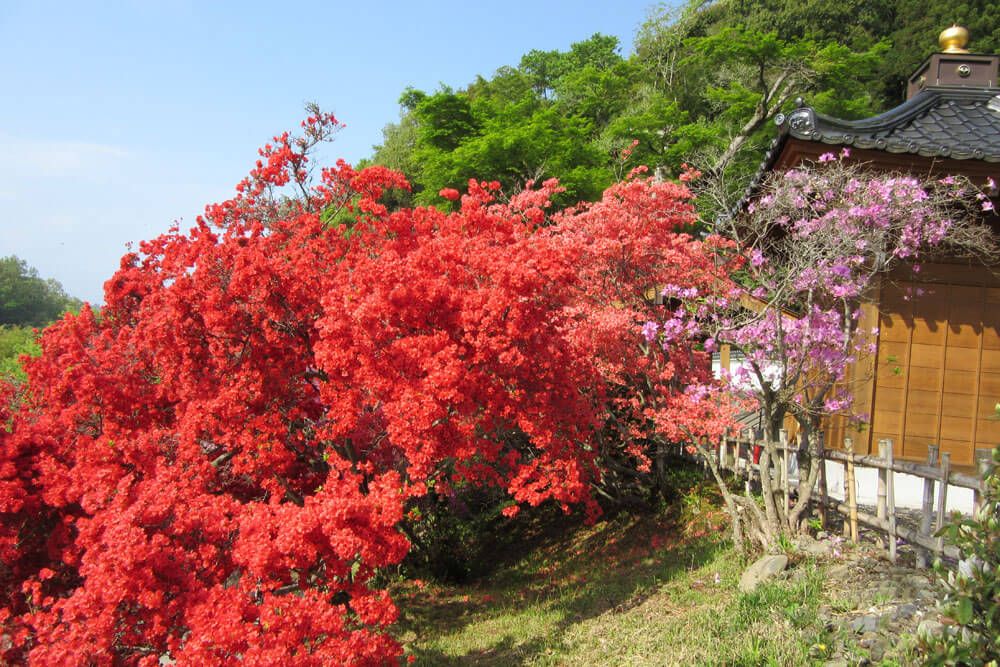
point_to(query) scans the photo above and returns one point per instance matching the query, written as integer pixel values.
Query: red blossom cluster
(215, 466)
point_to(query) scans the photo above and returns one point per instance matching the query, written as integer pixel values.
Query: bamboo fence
(736, 456)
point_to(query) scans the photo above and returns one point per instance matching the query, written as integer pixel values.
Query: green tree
(26, 298)
(703, 86)
(730, 67)
(14, 342)
(539, 120)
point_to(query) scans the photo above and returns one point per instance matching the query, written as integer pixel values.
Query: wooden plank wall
(937, 377)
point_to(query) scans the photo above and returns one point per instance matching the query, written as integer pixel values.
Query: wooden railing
(736, 455)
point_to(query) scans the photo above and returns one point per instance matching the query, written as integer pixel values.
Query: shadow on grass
(506, 651)
(580, 573)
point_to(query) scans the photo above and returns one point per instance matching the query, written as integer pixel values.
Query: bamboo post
(943, 498)
(852, 490)
(984, 461)
(927, 508)
(883, 487)
(783, 441)
(823, 492)
(890, 484)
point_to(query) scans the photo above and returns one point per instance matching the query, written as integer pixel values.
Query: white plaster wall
(909, 489)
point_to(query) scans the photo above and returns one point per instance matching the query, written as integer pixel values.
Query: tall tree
(28, 299)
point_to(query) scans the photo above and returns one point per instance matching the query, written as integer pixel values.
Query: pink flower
(827, 157)
(649, 330)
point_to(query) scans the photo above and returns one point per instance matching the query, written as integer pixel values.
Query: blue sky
(118, 118)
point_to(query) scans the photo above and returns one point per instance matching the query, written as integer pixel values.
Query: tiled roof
(954, 122)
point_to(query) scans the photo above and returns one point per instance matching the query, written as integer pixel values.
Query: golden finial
(954, 40)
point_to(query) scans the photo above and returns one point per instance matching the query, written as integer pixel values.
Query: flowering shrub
(973, 591)
(787, 299)
(216, 465)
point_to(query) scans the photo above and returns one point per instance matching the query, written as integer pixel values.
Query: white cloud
(47, 157)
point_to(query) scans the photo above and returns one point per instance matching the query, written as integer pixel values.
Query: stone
(927, 594)
(867, 623)
(904, 611)
(874, 644)
(838, 572)
(764, 568)
(814, 548)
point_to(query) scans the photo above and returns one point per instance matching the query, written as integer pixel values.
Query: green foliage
(453, 538)
(913, 29)
(26, 299)
(536, 121)
(14, 342)
(444, 120)
(702, 87)
(973, 592)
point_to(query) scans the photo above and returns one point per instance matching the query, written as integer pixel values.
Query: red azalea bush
(216, 465)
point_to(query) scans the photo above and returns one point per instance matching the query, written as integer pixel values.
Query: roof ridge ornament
(954, 39)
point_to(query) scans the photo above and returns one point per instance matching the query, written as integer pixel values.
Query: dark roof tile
(959, 123)
(955, 122)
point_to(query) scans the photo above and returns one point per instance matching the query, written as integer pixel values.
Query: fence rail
(737, 456)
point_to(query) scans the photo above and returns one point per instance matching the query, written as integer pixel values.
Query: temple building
(935, 379)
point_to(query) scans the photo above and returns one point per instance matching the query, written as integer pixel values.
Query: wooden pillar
(984, 462)
(942, 504)
(927, 508)
(852, 490)
(890, 476)
(883, 488)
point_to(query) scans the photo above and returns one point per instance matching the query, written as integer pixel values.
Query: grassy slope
(628, 591)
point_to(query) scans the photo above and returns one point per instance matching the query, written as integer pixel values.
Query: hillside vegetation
(702, 85)
(26, 301)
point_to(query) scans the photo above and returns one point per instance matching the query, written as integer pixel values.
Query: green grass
(628, 591)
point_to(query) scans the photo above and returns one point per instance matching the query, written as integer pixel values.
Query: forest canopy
(702, 86)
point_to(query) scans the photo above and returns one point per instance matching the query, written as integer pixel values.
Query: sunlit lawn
(628, 591)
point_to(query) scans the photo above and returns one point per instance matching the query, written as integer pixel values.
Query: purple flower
(649, 330)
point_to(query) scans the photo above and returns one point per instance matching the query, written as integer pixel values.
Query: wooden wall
(937, 375)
